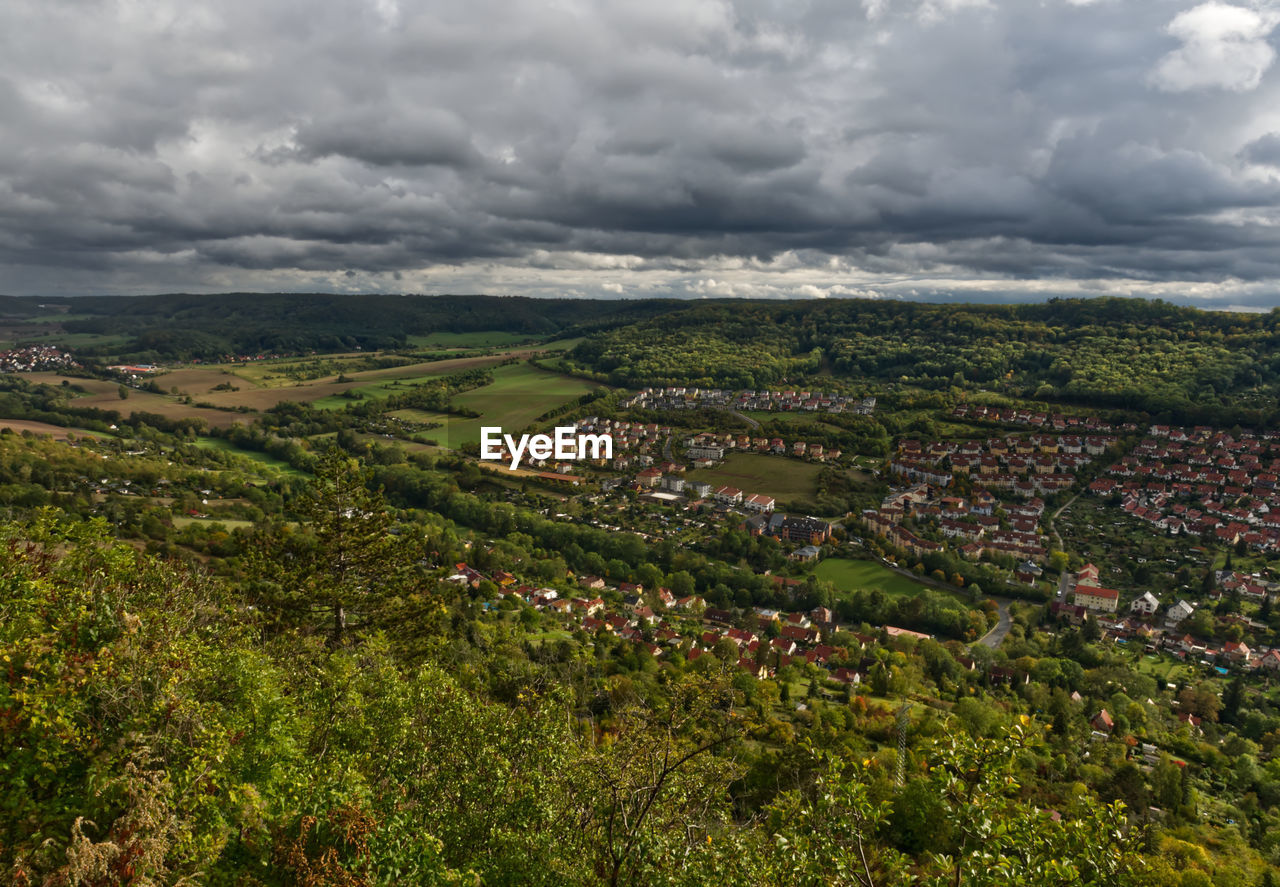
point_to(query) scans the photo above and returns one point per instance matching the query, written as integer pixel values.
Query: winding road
(992, 638)
(752, 422)
(1053, 526)
(996, 636)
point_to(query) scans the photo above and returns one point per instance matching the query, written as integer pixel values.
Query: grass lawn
(1164, 669)
(850, 575)
(519, 394)
(777, 476)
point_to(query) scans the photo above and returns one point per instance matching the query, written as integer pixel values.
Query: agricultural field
(423, 416)
(105, 395)
(520, 393)
(481, 339)
(57, 432)
(199, 381)
(561, 344)
(259, 393)
(852, 575)
(778, 476)
(227, 523)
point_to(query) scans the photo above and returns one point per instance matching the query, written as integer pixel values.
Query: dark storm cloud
(900, 148)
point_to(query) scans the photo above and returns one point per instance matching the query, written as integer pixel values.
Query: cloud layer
(975, 149)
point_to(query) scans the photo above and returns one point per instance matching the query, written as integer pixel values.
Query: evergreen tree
(339, 564)
(1231, 699)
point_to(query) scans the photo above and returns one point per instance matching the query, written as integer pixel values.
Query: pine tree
(1232, 697)
(334, 569)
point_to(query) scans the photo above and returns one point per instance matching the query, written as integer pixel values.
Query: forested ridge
(1118, 353)
(185, 327)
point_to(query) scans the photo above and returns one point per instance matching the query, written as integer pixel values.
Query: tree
(1232, 697)
(638, 794)
(340, 563)
(984, 834)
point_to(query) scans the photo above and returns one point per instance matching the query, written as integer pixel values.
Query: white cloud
(1223, 47)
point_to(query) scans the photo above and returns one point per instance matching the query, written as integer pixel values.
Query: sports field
(852, 575)
(776, 476)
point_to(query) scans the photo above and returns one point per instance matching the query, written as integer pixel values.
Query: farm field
(199, 381)
(480, 339)
(57, 432)
(561, 344)
(520, 393)
(777, 476)
(105, 396)
(423, 416)
(851, 575)
(323, 392)
(229, 523)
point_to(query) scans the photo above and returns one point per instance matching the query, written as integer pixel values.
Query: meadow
(520, 393)
(852, 575)
(778, 476)
(227, 523)
(481, 339)
(262, 459)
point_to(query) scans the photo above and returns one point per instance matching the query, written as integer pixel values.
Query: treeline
(186, 327)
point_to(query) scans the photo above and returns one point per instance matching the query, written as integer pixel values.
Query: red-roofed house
(1092, 597)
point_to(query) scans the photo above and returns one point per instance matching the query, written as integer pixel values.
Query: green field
(378, 390)
(799, 418)
(777, 476)
(228, 523)
(275, 465)
(423, 416)
(561, 344)
(482, 339)
(519, 394)
(850, 575)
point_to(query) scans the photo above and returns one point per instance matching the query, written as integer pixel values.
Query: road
(995, 636)
(752, 422)
(666, 450)
(1053, 526)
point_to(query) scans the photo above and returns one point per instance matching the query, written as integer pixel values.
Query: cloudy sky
(971, 149)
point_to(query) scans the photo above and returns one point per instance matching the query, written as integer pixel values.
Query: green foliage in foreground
(151, 732)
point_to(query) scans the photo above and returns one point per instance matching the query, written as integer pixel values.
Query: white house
(1178, 612)
(1145, 605)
